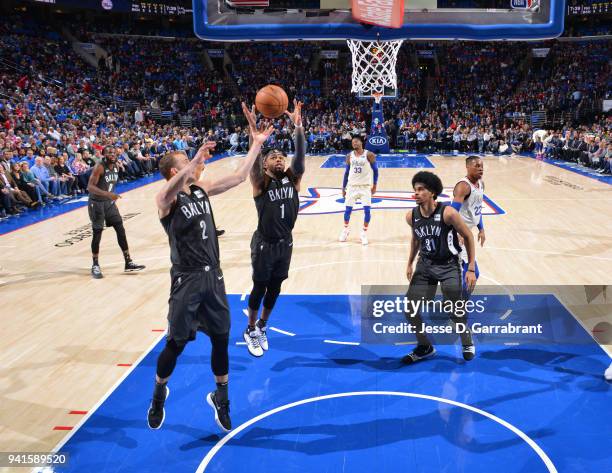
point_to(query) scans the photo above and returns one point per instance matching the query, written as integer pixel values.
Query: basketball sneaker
(130, 266)
(252, 342)
(262, 336)
(157, 413)
(421, 352)
(344, 234)
(222, 417)
(469, 352)
(364, 237)
(96, 272)
(608, 373)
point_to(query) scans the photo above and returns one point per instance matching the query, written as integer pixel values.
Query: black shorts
(270, 260)
(197, 303)
(429, 273)
(103, 211)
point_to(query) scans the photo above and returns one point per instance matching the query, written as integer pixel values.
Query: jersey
(471, 208)
(108, 180)
(360, 173)
(191, 230)
(438, 240)
(542, 134)
(277, 208)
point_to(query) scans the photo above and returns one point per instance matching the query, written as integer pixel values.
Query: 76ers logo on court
(328, 200)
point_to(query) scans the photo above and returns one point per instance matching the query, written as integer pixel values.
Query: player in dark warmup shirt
(102, 209)
(434, 237)
(198, 301)
(275, 190)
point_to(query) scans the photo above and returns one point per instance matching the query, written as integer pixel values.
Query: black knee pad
(219, 359)
(272, 291)
(257, 294)
(95, 241)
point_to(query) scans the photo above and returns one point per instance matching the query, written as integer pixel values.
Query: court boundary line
(103, 399)
(589, 332)
(522, 435)
(567, 167)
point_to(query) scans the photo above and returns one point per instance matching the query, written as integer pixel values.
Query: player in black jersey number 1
(275, 189)
(198, 301)
(434, 237)
(103, 209)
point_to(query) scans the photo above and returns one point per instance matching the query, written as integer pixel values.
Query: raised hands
(251, 117)
(203, 153)
(260, 137)
(296, 115)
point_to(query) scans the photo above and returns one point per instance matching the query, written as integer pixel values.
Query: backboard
(276, 20)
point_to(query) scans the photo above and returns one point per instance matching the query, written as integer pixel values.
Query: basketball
(271, 101)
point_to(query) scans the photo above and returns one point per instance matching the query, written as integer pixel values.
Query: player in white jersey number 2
(360, 179)
(468, 195)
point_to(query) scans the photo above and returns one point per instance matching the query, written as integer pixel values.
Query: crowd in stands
(589, 146)
(57, 112)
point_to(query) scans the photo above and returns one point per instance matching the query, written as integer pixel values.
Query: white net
(374, 65)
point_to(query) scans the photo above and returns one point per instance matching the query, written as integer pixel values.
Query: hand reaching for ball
(296, 115)
(251, 117)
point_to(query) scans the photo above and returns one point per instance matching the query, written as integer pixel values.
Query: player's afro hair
(430, 181)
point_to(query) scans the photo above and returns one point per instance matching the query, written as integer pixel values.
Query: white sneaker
(364, 238)
(344, 234)
(252, 342)
(608, 373)
(262, 336)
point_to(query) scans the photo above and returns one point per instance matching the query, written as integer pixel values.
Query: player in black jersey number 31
(275, 190)
(198, 301)
(434, 236)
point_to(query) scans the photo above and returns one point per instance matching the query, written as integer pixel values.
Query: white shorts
(355, 193)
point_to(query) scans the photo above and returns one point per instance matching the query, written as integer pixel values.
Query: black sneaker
(96, 272)
(130, 267)
(157, 413)
(419, 353)
(469, 352)
(221, 409)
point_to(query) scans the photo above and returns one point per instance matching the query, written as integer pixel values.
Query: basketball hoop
(374, 66)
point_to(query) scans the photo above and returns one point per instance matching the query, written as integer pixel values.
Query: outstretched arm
(257, 172)
(299, 140)
(222, 184)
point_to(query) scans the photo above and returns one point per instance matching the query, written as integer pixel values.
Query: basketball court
(78, 370)
(80, 354)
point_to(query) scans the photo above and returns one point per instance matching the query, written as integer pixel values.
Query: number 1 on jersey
(282, 211)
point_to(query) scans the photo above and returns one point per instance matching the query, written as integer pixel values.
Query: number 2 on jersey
(203, 227)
